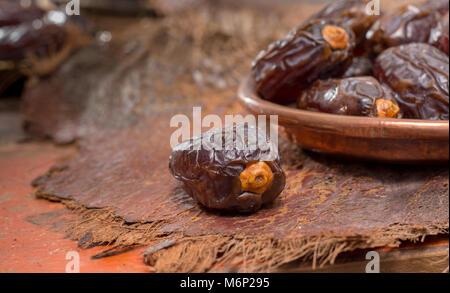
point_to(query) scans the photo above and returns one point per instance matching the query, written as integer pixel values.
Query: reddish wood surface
(31, 237)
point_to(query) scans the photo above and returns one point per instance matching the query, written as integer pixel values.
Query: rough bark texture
(120, 183)
(327, 207)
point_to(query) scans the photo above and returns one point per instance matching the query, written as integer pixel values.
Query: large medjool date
(14, 12)
(351, 13)
(358, 96)
(408, 24)
(40, 37)
(235, 168)
(418, 73)
(39, 46)
(320, 49)
(439, 6)
(37, 38)
(439, 35)
(361, 66)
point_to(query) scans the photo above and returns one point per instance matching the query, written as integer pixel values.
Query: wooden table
(32, 238)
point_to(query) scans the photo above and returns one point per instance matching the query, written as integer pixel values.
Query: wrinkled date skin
(39, 36)
(38, 41)
(321, 49)
(239, 179)
(361, 66)
(351, 13)
(14, 12)
(439, 35)
(418, 73)
(408, 24)
(357, 96)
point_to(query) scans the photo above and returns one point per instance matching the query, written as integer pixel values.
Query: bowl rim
(388, 128)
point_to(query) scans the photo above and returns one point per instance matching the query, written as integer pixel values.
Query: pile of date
(36, 37)
(345, 61)
(340, 61)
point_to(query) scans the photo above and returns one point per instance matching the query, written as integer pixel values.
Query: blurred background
(53, 65)
(63, 75)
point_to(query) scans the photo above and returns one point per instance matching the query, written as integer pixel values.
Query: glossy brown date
(408, 24)
(14, 12)
(357, 96)
(361, 66)
(439, 35)
(41, 37)
(318, 50)
(351, 13)
(418, 73)
(17, 41)
(241, 177)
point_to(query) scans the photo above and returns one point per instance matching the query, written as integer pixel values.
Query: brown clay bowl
(379, 139)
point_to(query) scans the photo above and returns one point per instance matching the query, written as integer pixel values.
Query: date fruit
(408, 24)
(14, 12)
(42, 36)
(439, 35)
(357, 96)
(17, 41)
(360, 66)
(235, 168)
(351, 13)
(321, 49)
(418, 73)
